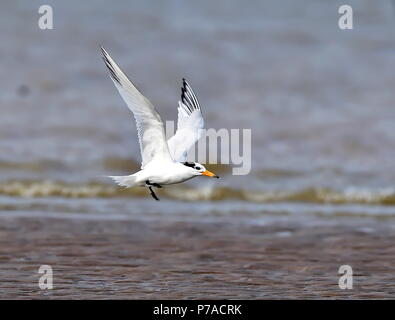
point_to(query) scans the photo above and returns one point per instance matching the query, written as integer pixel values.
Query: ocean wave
(108, 164)
(35, 166)
(50, 188)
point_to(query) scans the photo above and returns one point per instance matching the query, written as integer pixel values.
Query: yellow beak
(209, 174)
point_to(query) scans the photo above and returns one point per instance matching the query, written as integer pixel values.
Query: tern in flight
(163, 162)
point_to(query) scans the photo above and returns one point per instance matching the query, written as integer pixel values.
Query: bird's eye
(198, 168)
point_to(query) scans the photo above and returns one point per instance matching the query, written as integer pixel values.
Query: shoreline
(139, 259)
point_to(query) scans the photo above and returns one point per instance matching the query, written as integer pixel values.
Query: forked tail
(125, 181)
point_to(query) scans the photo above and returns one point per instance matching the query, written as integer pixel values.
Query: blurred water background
(319, 101)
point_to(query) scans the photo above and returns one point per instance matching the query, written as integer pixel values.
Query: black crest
(189, 164)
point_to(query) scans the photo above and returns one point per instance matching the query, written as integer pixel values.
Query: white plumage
(163, 162)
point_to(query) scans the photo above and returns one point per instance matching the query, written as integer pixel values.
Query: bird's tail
(125, 181)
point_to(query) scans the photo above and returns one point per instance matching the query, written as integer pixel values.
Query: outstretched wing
(189, 126)
(150, 128)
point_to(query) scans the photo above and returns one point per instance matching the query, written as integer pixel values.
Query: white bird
(163, 162)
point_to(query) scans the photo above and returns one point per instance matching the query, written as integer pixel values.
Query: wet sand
(191, 260)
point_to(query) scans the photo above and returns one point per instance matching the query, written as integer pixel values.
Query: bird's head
(200, 170)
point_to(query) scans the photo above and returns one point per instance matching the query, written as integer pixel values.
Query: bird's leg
(153, 193)
(153, 184)
(150, 185)
(156, 185)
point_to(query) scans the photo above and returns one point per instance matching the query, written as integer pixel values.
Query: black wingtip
(103, 51)
(184, 99)
(184, 83)
(153, 194)
(188, 97)
(109, 66)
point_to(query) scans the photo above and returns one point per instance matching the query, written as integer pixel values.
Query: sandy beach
(191, 260)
